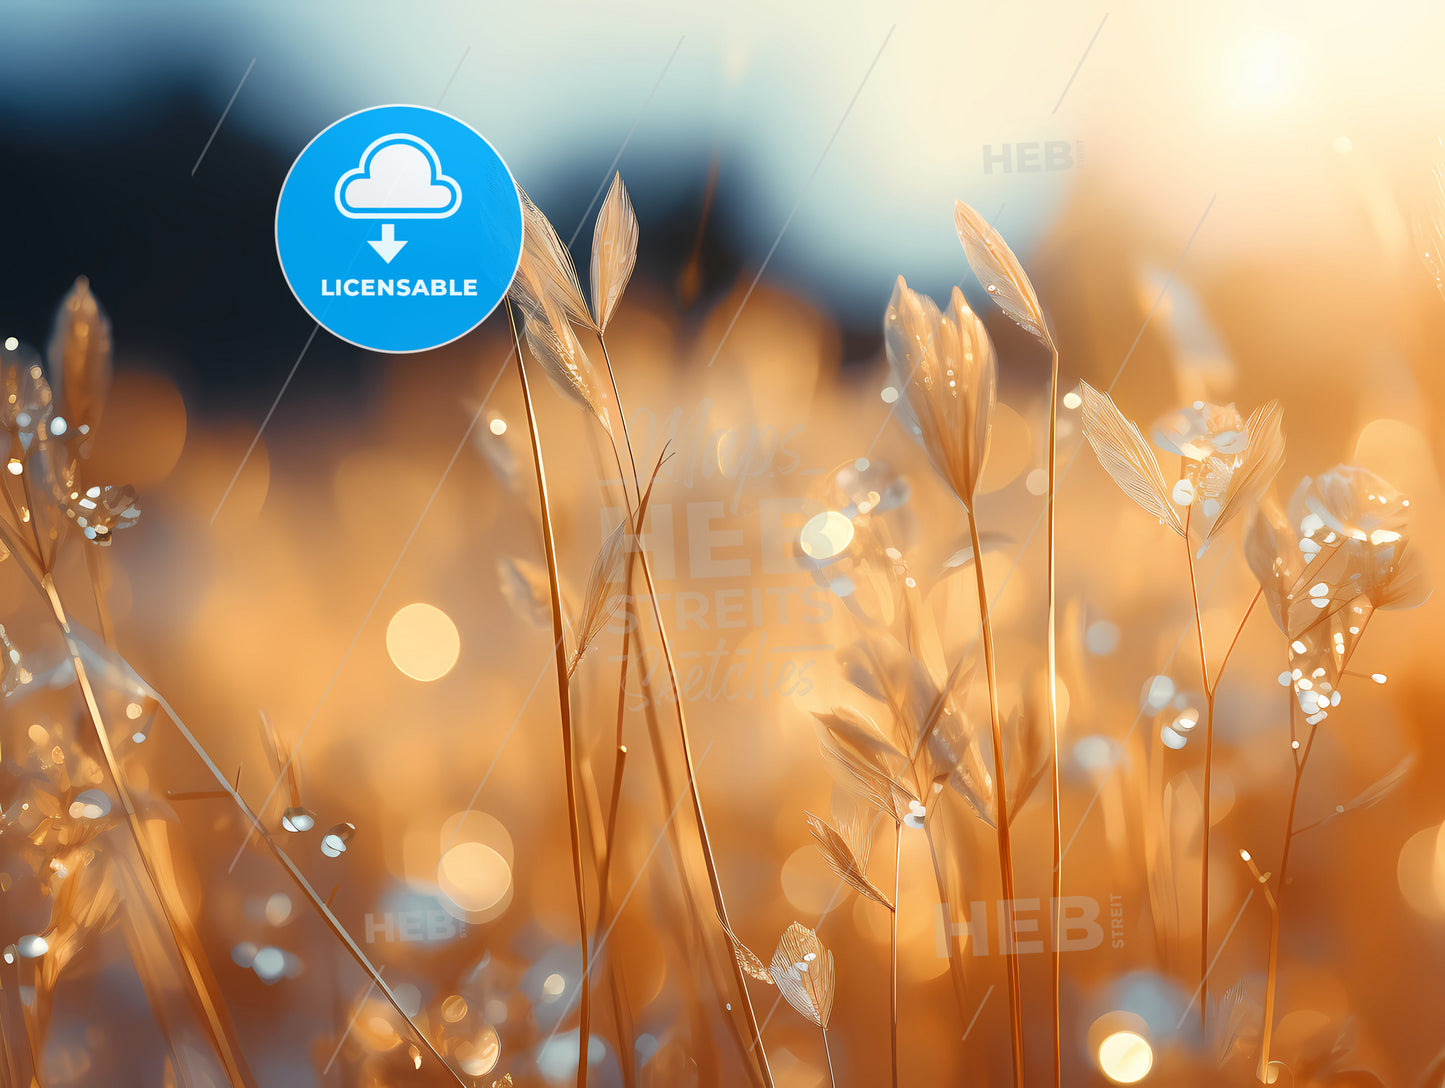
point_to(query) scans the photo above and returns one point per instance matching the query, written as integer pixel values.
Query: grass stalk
(1208, 772)
(187, 945)
(1210, 692)
(622, 1019)
(893, 949)
(1271, 976)
(1056, 901)
(709, 862)
(41, 579)
(1005, 853)
(94, 563)
(564, 699)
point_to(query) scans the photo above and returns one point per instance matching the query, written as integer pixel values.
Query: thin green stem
(564, 698)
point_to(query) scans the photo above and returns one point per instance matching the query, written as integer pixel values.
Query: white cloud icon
(400, 177)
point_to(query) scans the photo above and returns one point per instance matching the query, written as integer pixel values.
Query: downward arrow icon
(388, 247)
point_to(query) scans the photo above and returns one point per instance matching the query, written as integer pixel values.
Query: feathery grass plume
(80, 363)
(756, 1047)
(803, 971)
(1251, 476)
(141, 865)
(846, 865)
(546, 270)
(947, 371)
(1337, 554)
(599, 603)
(1226, 463)
(27, 412)
(1003, 277)
(1002, 274)
(747, 959)
(614, 253)
(1228, 1017)
(881, 668)
(1126, 457)
(554, 345)
(858, 755)
(946, 368)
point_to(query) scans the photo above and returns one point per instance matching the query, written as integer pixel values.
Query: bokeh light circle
(1125, 1057)
(423, 641)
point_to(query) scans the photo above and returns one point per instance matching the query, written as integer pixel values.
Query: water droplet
(297, 818)
(334, 842)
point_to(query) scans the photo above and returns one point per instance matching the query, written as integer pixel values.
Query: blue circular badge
(399, 228)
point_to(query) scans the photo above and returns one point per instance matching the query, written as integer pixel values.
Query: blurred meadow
(282, 786)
